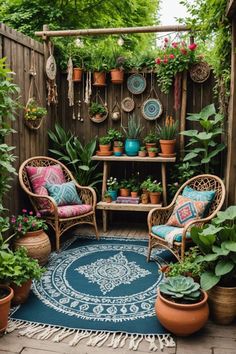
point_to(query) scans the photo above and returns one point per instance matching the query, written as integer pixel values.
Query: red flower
(24, 210)
(175, 44)
(183, 51)
(166, 40)
(25, 219)
(165, 61)
(171, 56)
(192, 46)
(158, 61)
(31, 213)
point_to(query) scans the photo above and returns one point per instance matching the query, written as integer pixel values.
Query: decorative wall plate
(127, 104)
(151, 109)
(51, 68)
(136, 83)
(200, 72)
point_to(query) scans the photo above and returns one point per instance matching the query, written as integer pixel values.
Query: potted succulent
(142, 151)
(181, 305)
(155, 189)
(97, 112)
(167, 136)
(112, 187)
(217, 242)
(150, 140)
(133, 132)
(104, 144)
(152, 152)
(118, 148)
(29, 230)
(125, 187)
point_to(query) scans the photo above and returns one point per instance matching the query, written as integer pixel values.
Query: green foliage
(104, 140)
(169, 130)
(134, 129)
(97, 108)
(204, 144)
(112, 184)
(181, 173)
(8, 106)
(115, 134)
(151, 137)
(125, 183)
(25, 222)
(33, 111)
(77, 157)
(217, 242)
(152, 149)
(181, 288)
(151, 185)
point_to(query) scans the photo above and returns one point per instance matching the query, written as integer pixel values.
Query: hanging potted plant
(133, 132)
(30, 234)
(98, 112)
(181, 305)
(99, 63)
(33, 114)
(167, 136)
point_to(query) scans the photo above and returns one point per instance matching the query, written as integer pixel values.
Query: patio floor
(212, 339)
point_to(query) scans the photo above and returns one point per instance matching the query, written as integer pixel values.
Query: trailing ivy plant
(204, 145)
(77, 157)
(8, 106)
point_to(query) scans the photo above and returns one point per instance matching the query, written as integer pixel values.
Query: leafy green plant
(142, 148)
(134, 129)
(182, 172)
(33, 111)
(124, 183)
(181, 289)
(76, 156)
(25, 222)
(115, 134)
(104, 140)
(154, 187)
(169, 130)
(152, 149)
(112, 183)
(151, 137)
(217, 242)
(204, 144)
(97, 108)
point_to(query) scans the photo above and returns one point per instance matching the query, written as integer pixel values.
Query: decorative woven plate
(151, 109)
(136, 83)
(127, 104)
(51, 68)
(200, 72)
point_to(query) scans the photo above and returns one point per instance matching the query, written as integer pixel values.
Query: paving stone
(224, 351)
(36, 351)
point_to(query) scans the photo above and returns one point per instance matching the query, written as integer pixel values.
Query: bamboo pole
(183, 112)
(121, 30)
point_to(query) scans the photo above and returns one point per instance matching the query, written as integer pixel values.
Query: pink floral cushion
(67, 211)
(185, 210)
(39, 176)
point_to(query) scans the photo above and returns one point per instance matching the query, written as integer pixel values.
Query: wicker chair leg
(57, 232)
(149, 249)
(95, 227)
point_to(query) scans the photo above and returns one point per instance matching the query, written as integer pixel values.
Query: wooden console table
(105, 207)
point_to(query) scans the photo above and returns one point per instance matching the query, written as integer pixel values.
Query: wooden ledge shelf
(133, 158)
(126, 206)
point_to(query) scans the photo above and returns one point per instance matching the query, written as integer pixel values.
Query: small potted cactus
(181, 305)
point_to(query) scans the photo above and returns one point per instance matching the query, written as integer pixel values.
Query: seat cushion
(64, 194)
(186, 210)
(169, 233)
(39, 176)
(68, 211)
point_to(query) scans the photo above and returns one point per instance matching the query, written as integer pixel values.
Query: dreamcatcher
(51, 70)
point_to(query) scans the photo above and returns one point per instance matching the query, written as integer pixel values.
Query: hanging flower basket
(33, 114)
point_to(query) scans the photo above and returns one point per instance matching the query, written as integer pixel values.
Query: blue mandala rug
(100, 290)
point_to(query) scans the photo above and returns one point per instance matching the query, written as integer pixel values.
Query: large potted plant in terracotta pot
(217, 242)
(181, 305)
(29, 229)
(167, 137)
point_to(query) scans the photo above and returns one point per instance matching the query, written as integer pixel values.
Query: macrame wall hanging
(70, 83)
(51, 71)
(33, 111)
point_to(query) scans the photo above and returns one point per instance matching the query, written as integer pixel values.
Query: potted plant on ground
(29, 230)
(155, 189)
(150, 140)
(97, 112)
(217, 242)
(142, 151)
(152, 152)
(167, 136)
(124, 187)
(104, 144)
(181, 305)
(132, 132)
(112, 187)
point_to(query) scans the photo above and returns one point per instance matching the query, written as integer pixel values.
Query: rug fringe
(95, 339)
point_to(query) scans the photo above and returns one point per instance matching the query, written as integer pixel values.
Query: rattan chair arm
(159, 216)
(34, 197)
(87, 194)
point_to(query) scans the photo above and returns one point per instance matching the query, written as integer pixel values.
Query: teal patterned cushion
(63, 194)
(202, 196)
(164, 231)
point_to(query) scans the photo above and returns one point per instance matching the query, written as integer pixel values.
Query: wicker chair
(52, 217)
(159, 216)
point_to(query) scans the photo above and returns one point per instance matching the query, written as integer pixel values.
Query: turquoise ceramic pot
(132, 147)
(113, 194)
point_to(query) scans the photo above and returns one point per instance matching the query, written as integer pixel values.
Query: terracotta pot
(152, 154)
(37, 244)
(150, 145)
(99, 78)
(155, 197)
(124, 192)
(134, 194)
(222, 303)
(167, 146)
(142, 153)
(118, 150)
(5, 304)
(117, 76)
(182, 319)
(108, 199)
(21, 292)
(77, 74)
(104, 148)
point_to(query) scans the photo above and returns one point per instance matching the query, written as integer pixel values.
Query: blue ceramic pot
(132, 147)
(113, 194)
